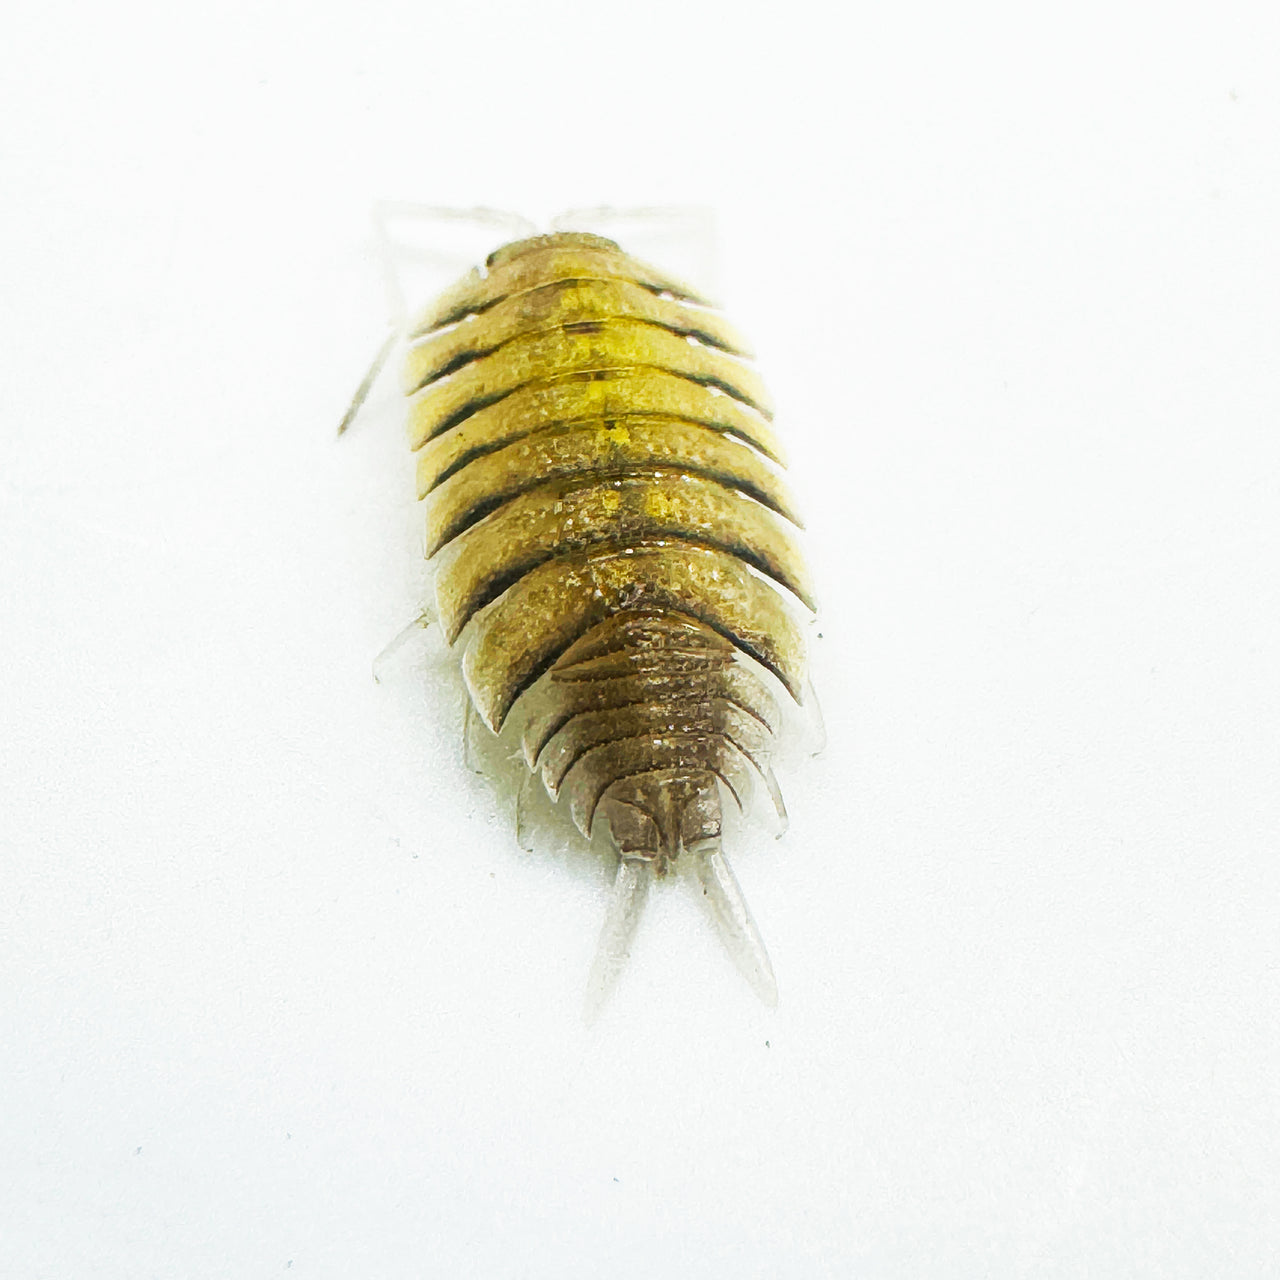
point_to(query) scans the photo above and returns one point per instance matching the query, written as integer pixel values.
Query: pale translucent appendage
(779, 804)
(421, 249)
(366, 385)
(524, 838)
(630, 892)
(815, 725)
(470, 727)
(424, 248)
(738, 931)
(399, 640)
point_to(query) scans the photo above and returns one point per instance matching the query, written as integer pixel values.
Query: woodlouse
(615, 553)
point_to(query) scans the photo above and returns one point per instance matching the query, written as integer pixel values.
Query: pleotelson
(615, 544)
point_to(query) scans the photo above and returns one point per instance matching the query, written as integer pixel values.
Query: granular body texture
(616, 552)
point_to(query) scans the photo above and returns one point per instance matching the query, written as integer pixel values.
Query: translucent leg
(362, 391)
(815, 725)
(522, 801)
(733, 919)
(430, 251)
(513, 224)
(630, 891)
(779, 804)
(398, 641)
(447, 241)
(469, 717)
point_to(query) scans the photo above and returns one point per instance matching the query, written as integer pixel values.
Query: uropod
(615, 556)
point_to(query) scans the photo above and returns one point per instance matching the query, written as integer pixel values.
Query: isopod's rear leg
(630, 892)
(523, 840)
(779, 804)
(470, 723)
(815, 724)
(738, 931)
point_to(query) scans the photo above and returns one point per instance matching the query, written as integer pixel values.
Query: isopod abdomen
(616, 554)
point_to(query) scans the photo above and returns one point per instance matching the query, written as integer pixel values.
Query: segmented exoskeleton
(615, 551)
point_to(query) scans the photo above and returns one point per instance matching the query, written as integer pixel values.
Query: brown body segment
(715, 717)
(709, 755)
(645, 672)
(615, 544)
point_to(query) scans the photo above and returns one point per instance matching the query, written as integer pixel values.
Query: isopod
(615, 552)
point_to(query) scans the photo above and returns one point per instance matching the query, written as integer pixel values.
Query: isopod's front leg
(366, 385)
(630, 892)
(398, 641)
(485, 222)
(729, 910)
(436, 227)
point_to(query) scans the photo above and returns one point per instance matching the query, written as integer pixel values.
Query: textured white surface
(277, 990)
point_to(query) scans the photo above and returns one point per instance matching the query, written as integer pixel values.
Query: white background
(279, 994)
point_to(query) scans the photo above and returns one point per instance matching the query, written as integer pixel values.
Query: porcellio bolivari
(615, 554)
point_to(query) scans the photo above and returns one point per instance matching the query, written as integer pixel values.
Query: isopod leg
(630, 891)
(362, 391)
(514, 224)
(779, 804)
(485, 222)
(737, 929)
(469, 736)
(522, 842)
(398, 641)
(815, 725)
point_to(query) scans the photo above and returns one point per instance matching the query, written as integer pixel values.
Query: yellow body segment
(597, 346)
(563, 516)
(602, 449)
(573, 257)
(567, 302)
(613, 396)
